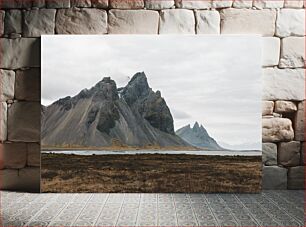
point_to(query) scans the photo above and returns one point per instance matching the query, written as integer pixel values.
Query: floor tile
(269, 208)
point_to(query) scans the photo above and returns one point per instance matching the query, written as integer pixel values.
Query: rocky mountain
(198, 137)
(105, 115)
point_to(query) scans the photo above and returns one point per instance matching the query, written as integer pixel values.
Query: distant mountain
(198, 136)
(105, 116)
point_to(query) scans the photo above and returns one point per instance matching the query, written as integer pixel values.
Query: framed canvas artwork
(148, 113)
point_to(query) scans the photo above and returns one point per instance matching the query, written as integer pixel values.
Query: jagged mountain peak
(139, 76)
(137, 87)
(107, 80)
(197, 136)
(104, 89)
(199, 129)
(196, 127)
(103, 82)
(148, 103)
(139, 79)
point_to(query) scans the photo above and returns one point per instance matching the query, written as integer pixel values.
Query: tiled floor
(270, 208)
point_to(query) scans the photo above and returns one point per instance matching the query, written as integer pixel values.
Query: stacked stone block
(283, 143)
(280, 22)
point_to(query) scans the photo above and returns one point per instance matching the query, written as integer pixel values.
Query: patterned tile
(166, 213)
(128, 214)
(68, 214)
(89, 215)
(110, 211)
(269, 208)
(98, 198)
(147, 214)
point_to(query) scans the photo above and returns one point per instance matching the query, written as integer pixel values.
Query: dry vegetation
(150, 173)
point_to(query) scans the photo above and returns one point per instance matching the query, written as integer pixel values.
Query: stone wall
(281, 22)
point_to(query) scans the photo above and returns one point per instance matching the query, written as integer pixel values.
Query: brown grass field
(150, 173)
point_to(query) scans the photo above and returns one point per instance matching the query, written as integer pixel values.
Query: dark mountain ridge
(106, 116)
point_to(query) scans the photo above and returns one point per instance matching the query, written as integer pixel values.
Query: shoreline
(86, 153)
(121, 148)
(146, 148)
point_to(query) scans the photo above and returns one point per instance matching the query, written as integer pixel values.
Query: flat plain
(150, 173)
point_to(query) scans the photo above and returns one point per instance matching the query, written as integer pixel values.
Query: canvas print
(148, 113)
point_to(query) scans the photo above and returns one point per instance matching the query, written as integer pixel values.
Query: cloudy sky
(215, 80)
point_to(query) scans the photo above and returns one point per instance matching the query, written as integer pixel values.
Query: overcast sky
(215, 80)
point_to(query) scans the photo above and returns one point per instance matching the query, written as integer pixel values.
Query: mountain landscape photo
(118, 116)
